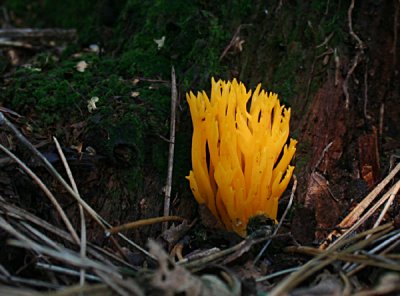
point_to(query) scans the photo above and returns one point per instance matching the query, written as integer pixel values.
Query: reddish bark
(326, 122)
(369, 157)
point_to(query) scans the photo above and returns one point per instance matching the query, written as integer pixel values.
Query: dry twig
(326, 257)
(358, 57)
(355, 214)
(38, 33)
(234, 41)
(143, 222)
(81, 212)
(168, 187)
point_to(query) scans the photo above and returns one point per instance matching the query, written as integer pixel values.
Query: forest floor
(85, 137)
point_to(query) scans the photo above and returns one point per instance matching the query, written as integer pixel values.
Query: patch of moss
(195, 33)
(286, 74)
(303, 155)
(59, 91)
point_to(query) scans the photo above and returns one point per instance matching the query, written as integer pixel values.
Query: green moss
(287, 72)
(195, 34)
(56, 91)
(303, 155)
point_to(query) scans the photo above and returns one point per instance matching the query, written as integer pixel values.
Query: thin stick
(347, 289)
(326, 258)
(345, 85)
(381, 119)
(289, 206)
(360, 46)
(354, 35)
(360, 208)
(278, 273)
(231, 43)
(18, 44)
(326, 40)
(364, 258)
(246, 243)
(392, 191)
(366, 93)
(20, 214)
(143, 222)
(64, 255)
(42, 237)
(168, 187)
(322, 156)
(389, 202)
(64, 270)
(337, 66)
(388, 239)
(28, 282)
(394, 239)
(46, 191)
(83, 246)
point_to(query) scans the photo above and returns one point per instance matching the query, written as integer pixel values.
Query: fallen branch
(16, 33)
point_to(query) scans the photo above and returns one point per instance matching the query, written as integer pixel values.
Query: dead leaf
(81, 66)
(238, 44)
(92, 104)
(94, 48)
(173, 279)
(160, 42)
(173, 234)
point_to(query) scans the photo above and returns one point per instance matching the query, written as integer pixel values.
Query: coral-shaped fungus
(239, 168)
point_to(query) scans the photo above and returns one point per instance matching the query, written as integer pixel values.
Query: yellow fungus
(240, 159)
